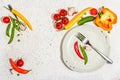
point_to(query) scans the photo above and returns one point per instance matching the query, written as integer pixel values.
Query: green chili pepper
(84, 54)
(85, 19)
(8, 29)
(12, 35)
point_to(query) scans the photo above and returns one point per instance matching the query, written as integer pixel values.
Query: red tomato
(59, 26)
(63, 12)
(56, 17)
(65, 20)
(93, 11)
(6, 19)
(20, 62)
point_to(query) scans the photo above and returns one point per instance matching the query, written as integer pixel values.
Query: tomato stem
(29, 70)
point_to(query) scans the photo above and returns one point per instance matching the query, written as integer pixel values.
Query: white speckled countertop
(40, 48)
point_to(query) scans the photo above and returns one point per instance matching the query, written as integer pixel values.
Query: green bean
(8, 29)
(85, 20)
(84, 54)
(12, 35)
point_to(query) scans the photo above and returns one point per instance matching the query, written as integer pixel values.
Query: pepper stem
(11, 71)
(29, 70)
(6, 8)
(10, 7)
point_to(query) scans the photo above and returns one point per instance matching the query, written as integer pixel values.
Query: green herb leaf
(12, 35)
(8, 29)
(84, 54)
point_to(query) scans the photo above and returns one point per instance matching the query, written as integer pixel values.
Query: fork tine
(80, 36)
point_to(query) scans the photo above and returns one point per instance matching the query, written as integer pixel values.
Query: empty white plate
(98, 39)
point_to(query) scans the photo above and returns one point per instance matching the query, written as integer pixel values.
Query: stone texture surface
(40, 48)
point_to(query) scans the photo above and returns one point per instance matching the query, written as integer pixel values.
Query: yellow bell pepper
(106, 19)
(76, 18)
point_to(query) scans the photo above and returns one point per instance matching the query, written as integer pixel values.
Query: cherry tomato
(20, 62)
(59, 26)
(93, 11)
(56, 17)
(6, 19)
(63, 12)
(65, 20)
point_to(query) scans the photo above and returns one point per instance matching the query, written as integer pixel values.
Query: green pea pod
(85, 20)
(16, 26)
(8, 29)
(12, 35)
(19, 22)
(15, 23)
(84, 54)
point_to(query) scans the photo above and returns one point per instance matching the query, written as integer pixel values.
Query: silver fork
(84, 40)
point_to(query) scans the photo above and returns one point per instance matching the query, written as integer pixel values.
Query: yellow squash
(22, 18)
(76, 18)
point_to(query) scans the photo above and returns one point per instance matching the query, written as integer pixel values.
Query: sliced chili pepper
(16, 68)
(76, 48)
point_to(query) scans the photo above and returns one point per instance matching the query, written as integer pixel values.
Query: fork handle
(102, 55)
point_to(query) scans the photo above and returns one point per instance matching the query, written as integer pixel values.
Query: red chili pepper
(76, 48)
(16, 68)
